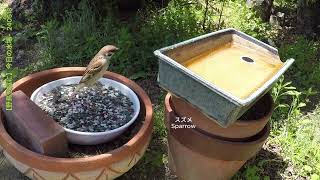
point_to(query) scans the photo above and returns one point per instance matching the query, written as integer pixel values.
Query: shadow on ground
(267, 164)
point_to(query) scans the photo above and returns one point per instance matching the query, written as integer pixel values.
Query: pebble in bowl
(93, 115)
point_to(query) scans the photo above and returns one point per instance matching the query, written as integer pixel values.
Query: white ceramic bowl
(92, 138)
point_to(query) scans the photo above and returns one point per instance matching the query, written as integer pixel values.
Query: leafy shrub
(291, 4)
(76, 39)
(44, 9)
(126, 60)
(298, 135)
(300, 141)
(173, 24)
(4, 11)
(288, 103)
(82, 34)
(305, 72)
(239, 16)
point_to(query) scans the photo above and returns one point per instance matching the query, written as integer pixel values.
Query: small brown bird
(97, 66)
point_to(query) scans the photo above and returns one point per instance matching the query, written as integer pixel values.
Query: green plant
(284, 4)
(288, 101)
(125, 60)
(4, 75)
(239, 16)
(305, 72)
(175, 23)
(252, 172)
(297, 135)
(81, 34)
(159, 126)
(76, 39)
(4, 15)
(300, 142)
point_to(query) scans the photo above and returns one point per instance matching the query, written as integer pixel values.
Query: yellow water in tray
(225, 68)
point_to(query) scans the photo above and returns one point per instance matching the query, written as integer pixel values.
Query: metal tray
(220, 105)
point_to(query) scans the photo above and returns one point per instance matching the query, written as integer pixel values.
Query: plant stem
(220, 16)
(205, 15)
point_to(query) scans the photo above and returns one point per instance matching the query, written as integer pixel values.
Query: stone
(33, 128)
(88, 110)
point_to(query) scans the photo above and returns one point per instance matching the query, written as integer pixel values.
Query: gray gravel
(92, 109)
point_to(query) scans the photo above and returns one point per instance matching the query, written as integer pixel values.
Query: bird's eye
(110, 54)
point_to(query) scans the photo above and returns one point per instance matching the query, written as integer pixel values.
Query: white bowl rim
(119, 129)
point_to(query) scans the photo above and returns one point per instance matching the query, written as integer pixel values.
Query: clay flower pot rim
(241, 121)
(255, 139)
(84, 163)
(256, 119)
(270, 111)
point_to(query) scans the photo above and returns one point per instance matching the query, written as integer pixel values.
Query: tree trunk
(263, 8)
(301, 9)
(308, 17)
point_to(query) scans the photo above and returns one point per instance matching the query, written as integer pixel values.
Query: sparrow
(97, 66)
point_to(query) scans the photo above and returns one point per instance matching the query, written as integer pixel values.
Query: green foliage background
(74, 36)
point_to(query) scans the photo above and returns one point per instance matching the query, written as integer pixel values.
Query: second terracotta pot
(196, 156)
(248, 125)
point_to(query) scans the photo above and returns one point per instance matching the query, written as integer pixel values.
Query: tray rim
(234, 99)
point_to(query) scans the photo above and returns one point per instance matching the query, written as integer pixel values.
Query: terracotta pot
(195, 155)
(194, 166)
(240, 130)
(171, 164)
(103, 166)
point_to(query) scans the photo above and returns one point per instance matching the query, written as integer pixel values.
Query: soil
(271, 164)
(150, 85)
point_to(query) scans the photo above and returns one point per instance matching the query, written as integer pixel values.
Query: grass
(294, 141)
(306, 54)
(239, 16)
(298, 133)
(76, 39)
(299, 141)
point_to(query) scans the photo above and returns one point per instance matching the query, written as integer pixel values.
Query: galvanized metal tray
(221, 106)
